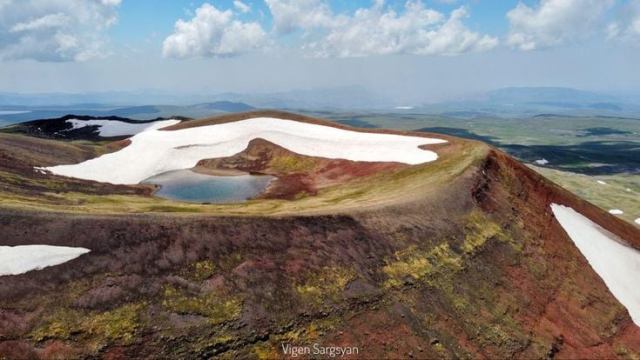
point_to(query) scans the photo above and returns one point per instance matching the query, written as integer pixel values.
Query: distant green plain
(579, 150)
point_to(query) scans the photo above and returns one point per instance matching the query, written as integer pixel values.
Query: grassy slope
(620, 191)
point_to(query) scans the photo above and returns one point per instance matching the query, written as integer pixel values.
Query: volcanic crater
(461, 256)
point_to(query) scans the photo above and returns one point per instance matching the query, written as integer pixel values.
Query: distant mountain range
(505, 102)
(350, 97)
(144, 112)
(530, 101)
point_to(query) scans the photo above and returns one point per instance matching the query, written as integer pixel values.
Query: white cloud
(242, 7)
(374, 30)
(55, 30)
(47, 21)
(626, 28)
(213, 32)
(289, 15)
(111, 2)
(418, 30)
(554, 22)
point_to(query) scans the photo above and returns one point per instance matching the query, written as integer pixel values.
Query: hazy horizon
(407, 51)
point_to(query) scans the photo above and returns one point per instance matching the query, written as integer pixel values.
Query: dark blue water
(186, 185)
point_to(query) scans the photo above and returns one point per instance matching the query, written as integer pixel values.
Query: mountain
(100, 99)
(542, 95)
(346, 97)
(335, 98)
(530, 101)
(380, 243)
(226, 106)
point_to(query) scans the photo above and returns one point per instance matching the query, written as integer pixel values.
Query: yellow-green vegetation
(478, 230)
(58, 325)
(117, 325)
(421, 265)
(487, 312)
(288, 164)
(620, 191)
(220, 337)
(200, 271)
(327, 283)
(216, 307)
(625, 353)
(266, 351)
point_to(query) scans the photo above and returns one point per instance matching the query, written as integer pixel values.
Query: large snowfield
(16, 260)
(153, 151)
(617, 264)
(111, 128)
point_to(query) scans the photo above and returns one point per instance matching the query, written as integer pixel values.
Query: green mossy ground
(217, 308)
(288, 164)
(327, 284)
(117, 326)
(446, 271)
(620, 191)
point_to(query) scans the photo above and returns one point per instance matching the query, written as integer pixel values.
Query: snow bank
(617, 264)
(542, 162)
(111, 128)
(616, 212)
(13, 112)
(153, 152)
(16, 260)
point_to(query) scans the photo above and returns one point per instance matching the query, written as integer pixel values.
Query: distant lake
(186, 185)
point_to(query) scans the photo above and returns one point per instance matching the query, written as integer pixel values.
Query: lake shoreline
(213, 187)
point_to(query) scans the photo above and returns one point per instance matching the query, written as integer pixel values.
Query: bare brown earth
(469, 264)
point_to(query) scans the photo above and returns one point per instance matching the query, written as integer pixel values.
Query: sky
(413, 51)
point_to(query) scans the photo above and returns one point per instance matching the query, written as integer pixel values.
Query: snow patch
(542, 162)
(13, 112)
(111, 128)
(616, 212)
(153, 152)
(617, 264)
(601, 182)
(637, 221)
(16, 260)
